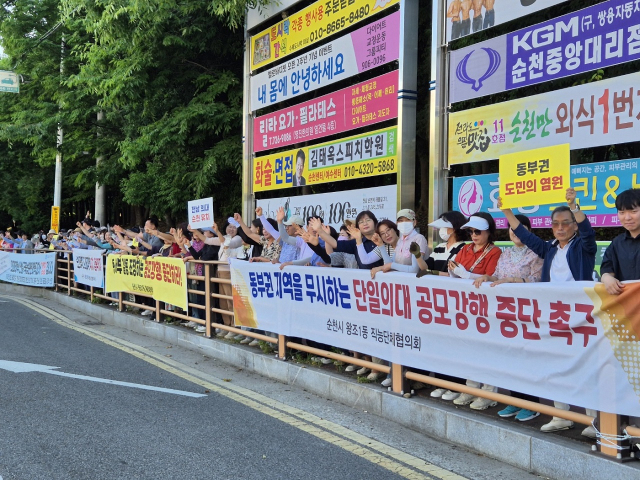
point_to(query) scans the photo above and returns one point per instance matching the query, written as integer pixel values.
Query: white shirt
(560, 271)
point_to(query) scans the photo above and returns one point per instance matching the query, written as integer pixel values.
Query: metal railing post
(120, 304)
(282, 347)
(69, 274)
(611, 426)
(207, 299)
(399, 383)
(157, 315)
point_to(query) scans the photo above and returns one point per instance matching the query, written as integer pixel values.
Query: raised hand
(414, 248)
(377, 240)
(355, 233)
(258, 211)
(280, 215)
(571, 197)
(316, 224)
(238, 218)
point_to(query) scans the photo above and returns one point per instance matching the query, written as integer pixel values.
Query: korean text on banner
(534, 177)
(55, 219)
(31, 270)
(418, 322)
(597, 185)
(200, 212)
(310, 25)
(335, 209)
(359, 156)
(599, 113)
(368, 47)
(164, 279)
(360, 105)
(88, 267)
(463, 20)
(596, 37)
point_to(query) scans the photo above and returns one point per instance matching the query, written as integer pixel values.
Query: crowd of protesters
(467, 252)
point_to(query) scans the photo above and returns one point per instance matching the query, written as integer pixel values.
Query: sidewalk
(555, 456)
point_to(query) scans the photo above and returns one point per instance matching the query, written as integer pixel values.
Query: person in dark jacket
(570, 256)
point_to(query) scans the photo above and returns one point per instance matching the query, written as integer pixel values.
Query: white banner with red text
(88, 267)
(31, 270)
(569, 342)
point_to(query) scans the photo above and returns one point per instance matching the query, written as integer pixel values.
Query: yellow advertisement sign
(535, 177)
(317, 22)
(165, 279)
(55, 219)
(358, 156)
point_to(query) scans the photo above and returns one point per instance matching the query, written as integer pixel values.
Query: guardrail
(614, 430)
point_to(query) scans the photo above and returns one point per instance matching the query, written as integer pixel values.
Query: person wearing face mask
(450, 230)
(403, 260)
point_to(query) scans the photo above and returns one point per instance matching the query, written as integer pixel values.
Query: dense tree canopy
(167, 77)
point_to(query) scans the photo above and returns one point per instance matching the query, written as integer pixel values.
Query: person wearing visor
(570, 256)
(452, 234)
(474, 260)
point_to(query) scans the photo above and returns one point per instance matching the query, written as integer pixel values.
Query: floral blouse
(519, 262)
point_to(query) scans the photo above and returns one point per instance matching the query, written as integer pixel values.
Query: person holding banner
(570, 256)
(478, 258)
(450, 230)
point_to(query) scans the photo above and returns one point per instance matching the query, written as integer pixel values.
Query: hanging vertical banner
(360, 105)
(317, 22)
(465, 17)
(368, 47)
(55, 219)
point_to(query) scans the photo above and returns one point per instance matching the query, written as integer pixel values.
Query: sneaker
(525, 415)
(246, 341)
(146, 313)
(221, 333)
(386, 382)
(201, 329)
(590, 432)
(482, 403)
(510, 411)
(465, 399)
(351, 368)
(556, 424)
(218, 330)
(113, 303)
(325, 361)
(254, 343)
(191, 324)
(449, 395)
(363, 371)
(239, 337)
(438, 392)
(229, 335)
(417, 385)
(373, 376)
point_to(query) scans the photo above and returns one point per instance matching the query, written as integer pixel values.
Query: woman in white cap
(474, 260)
(403, 260)
(452, 234)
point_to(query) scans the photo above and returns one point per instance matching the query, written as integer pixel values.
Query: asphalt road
(242, 426)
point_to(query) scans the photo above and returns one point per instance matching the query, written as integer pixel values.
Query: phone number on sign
(370, 168)
(339, 23)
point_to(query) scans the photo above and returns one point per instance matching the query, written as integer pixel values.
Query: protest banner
(164, 279)
(55, 219)
(589, 115)
(596, 37)
(30, 270)
(503, 11)
(88, 268)
(200, 212)
(597, 185)
(365, 155)
(534, 177)
(315, 23)
(445, 324)
(358, 106)
(335, 209)
(368, 47)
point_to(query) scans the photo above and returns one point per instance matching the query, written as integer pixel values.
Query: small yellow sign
(535, 177)
(55, 219)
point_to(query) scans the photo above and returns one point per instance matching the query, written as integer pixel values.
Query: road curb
(546, 455)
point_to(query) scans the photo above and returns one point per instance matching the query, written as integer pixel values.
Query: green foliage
(167, 76)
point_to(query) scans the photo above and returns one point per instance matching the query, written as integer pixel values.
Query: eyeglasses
(476, 232)
(566, 223)
(386, 232)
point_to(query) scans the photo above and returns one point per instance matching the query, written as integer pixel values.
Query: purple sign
(596, 37)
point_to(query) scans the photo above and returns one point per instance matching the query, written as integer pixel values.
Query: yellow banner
(358, 156)
(55, 219)
(165, 279)
(535, 177)
(317, 22)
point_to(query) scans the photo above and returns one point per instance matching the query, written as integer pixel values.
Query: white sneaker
(238, 337)
(218, 330)
(465, 399)
(230, 335)
(325, 361)
(191, 324)
(590, 432)
(351, 368)
(556, 424)
(146, 313)
(363, 371)
(386, 382)
(201, 329)
(482, 403)
(221, 333)
(373, 376)
(254, 343)
(246, 341)
(438, 392)
(450, 395)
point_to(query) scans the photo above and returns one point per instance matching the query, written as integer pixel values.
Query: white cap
(478, 223)
(441, 223)
(295, 219)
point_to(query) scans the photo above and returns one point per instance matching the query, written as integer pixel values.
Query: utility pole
(57, 192)
(100, 214)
